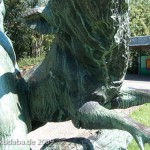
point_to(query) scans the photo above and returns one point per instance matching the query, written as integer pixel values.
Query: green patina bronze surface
(81, 77)
(88, 59)
(14, 114)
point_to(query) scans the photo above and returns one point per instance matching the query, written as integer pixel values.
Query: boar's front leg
(93, 116)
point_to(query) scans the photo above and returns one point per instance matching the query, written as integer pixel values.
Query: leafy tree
(26, 42)
(15, 28)
(140, 17)
(139, 26)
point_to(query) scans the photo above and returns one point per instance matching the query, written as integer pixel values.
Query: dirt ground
(67, 130)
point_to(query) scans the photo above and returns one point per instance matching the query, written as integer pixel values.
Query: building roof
(140, 42)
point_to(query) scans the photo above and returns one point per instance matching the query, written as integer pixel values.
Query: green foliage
(47, 41)
(142, 116)
(26, 42)
(140, 17)
(15, 28)
(133, 62)
(139, 26)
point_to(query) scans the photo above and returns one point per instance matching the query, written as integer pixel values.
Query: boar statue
(81, 77)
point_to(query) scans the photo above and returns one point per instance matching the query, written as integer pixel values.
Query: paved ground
(138, 81)
(67, 130)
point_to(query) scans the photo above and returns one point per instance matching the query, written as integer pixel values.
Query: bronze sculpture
(81, 77)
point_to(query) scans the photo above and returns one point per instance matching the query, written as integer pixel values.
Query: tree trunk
(37, 45)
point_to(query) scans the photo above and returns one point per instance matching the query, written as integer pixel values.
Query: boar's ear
(40, 20)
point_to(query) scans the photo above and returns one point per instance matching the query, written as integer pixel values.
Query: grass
(141, 115)
(28, 61)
